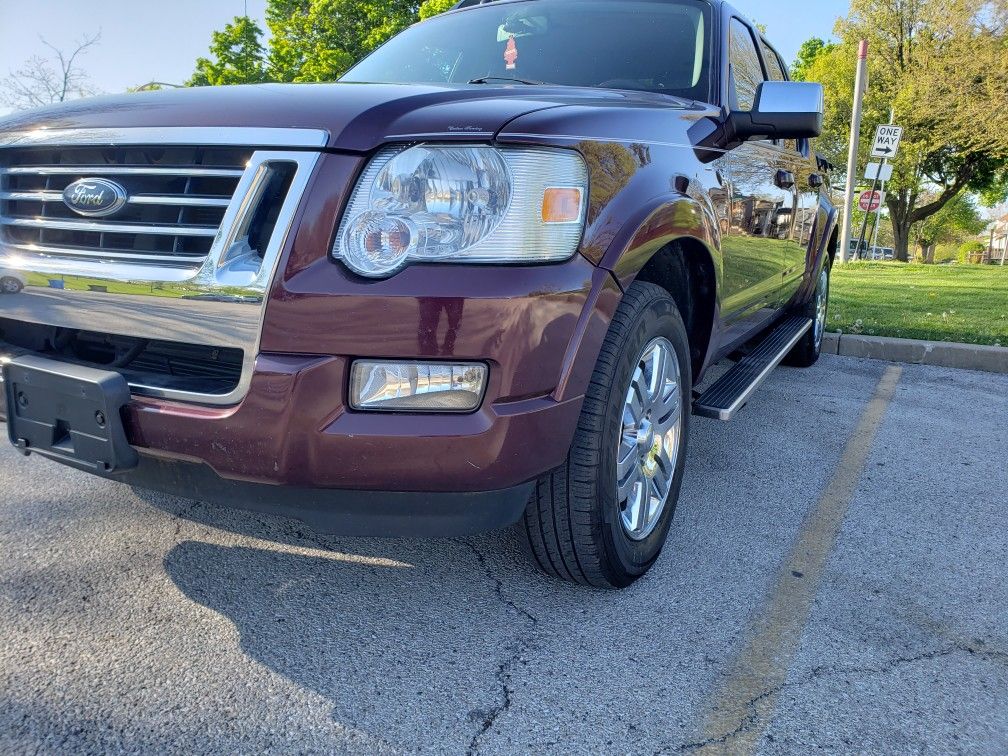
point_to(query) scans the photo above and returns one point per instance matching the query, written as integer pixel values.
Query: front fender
(657, 224)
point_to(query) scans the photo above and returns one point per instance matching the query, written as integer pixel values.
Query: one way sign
(887, 141)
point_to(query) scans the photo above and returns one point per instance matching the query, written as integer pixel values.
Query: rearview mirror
(783, 110)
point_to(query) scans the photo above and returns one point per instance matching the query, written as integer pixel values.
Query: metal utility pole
(860, 87)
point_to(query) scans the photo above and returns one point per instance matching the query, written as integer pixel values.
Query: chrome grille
(158, 283)
(178, 197)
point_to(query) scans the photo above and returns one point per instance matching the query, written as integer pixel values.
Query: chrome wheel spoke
(668, 412)
(666, 467)
(627, 486)
(627, 460)
(822, 306)
(641, 521)
(649, 439)
(656, 381)
(636, 403)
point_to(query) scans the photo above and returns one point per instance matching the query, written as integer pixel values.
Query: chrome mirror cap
(783, 110)
(791, 98)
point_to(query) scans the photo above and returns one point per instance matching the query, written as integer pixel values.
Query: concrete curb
(938, 353)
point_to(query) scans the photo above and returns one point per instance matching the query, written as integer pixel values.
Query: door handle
(784, 180)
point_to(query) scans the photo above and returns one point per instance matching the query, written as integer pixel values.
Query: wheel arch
(686, 271)
(833, 248)
(676, 244)
(822, 254)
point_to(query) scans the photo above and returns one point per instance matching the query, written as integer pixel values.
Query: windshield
(658, 46)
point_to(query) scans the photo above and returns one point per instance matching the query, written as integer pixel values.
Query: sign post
(883, 172)
(885, 146)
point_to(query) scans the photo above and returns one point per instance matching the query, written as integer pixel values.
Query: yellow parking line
(745, 705)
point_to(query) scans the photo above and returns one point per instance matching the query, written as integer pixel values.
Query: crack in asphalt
(977, 648)
(505, 668)
(183, 517)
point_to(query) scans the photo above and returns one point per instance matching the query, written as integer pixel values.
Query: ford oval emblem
(94, 197)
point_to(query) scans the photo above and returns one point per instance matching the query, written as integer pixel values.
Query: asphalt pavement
(836, 581)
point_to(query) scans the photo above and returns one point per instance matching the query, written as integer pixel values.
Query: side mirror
(783, 110)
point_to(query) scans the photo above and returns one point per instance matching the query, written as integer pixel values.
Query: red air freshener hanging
(511, 54)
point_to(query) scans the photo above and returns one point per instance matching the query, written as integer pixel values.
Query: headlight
(472, 204)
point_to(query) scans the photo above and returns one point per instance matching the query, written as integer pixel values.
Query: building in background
(997, 249)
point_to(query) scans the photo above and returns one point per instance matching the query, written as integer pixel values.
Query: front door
(760, 207)
(760, 218)
(795, 167)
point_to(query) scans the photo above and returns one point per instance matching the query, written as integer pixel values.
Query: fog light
(417, 386)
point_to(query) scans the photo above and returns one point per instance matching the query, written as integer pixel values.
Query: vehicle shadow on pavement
(425, 629)
(447, 644)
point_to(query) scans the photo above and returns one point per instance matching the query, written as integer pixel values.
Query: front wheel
(806, 352)
(604, 516)
(10, 285)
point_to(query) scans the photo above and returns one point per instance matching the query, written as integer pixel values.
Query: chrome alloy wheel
(822, 304)
(650, 439)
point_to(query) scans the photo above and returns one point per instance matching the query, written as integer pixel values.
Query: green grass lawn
(962, 303)
(77, 283)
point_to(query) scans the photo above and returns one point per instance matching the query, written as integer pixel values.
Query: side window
(745, 63)
(774, 68)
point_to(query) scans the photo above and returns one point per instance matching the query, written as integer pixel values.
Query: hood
(357, 117)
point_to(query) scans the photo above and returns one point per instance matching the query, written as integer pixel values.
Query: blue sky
(148, 40)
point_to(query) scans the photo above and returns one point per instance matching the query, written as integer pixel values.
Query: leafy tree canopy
(958, 219)
(807, 54)
(236, 56)
(942, 66)
(318, 40)
(310, 40)
(433, 7)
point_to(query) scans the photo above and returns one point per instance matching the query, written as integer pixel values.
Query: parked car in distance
(11, 282)
(472, 285)
(871, 252)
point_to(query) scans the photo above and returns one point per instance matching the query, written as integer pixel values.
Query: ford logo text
(94, 197)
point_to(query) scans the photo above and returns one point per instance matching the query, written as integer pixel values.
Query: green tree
(318, 40)
(942, 65)
(958, 219)
(237, 56)
(433, 7)
(810, 50)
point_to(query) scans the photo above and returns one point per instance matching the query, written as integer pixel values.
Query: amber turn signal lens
(561, 205)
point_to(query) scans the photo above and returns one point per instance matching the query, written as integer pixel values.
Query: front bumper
(290, 439)
(294, 429)
(292, 446)
(387, 514)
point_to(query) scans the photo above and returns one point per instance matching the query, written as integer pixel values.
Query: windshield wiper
(489, 79)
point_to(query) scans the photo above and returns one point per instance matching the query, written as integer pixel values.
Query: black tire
(806, 352)
(573, 519)
(10, 285)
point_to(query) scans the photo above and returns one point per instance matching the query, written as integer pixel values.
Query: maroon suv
(474, 283)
